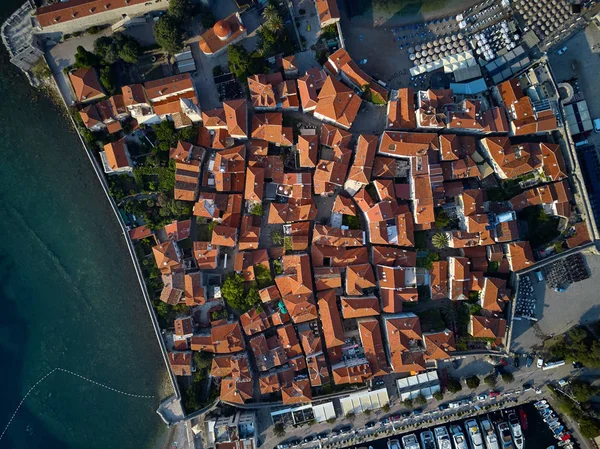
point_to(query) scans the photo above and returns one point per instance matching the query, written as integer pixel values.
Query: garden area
(541, 227)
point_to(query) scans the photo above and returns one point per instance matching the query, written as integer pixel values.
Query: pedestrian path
(140, 396)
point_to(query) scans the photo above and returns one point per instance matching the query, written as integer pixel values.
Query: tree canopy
(168, 34)
(118, 46)
(180, 9)
(473, 382)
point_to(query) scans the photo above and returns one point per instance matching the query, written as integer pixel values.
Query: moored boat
(410, 441)
(442, 437)
(393, 444)
(458, 437)
(491, 440)
(505, 436)
(427, 440)
(474, 434)
(523, 418)
(515, 430)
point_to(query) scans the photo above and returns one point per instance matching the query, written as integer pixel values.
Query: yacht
(393, 444)
(442, 437)
(474, 434)
(515, 429)
(491, 440)
(427, 440)
(505, 438)
(410, 441)
(458, 437)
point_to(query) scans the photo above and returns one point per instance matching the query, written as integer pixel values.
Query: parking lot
(556, 312)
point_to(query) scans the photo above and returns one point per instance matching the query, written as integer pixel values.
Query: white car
(562, 50)
(482, 397)
(540, 362)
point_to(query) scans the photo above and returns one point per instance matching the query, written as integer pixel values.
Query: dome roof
(222, 29)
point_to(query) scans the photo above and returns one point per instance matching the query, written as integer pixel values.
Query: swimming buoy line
(72, 374)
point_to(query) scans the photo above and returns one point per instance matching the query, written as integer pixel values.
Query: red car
(493, 394)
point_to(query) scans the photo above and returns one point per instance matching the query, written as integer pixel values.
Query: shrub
(438, 395)
(421, 400)
(408, 403)
(490, 379)
(507, 377)
(472, 382)
(350, 416)
(279, 430)
(257, 209)
(454, 385)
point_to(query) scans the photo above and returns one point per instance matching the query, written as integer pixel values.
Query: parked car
(529, 361)
(527, 387)
(443, 406)
(345, 429)
(516, 362)
(494, 394)
(295, 442)
(482, 397)
(562, 382)
(405, 415)
(540, 362)
(384, 421)
(323, 435)
(370, 424)
(577, 365)
(454, 405)
(308, 439)
(417, 412)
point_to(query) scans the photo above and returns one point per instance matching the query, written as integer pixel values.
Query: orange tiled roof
(344, 205)
(167, 258)
(269, 127)
(308, 147)
(385, 255)
(116, 154)
(359, 307)
(86, 84)
(331, 321)
(439, 279)
(327, 10)
(222, 34)
(494, 295)
(263, 90)
(318, 373)
(581, 236)
(362, 166)
(236, 391)
(297, 392)
(519, 255)
(438, 345)
(359, 278)
(181, 363)
(401, 110)
(370, 336)
(308, 85)
(407, 144)
(171, 85)
(205, 255)
(224, 338)
(338, 103)
(346, 373)
(487, 327)
(338, 256)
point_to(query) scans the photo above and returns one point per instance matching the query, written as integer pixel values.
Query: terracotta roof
(178, 230)
(288, 94)
(263, 90)
(318, 372)
(224, 236)
(311, 341)
(338, 103)
(308, 147)
(344, 205)
(401, 109)
(439, 279)
(255, 183)
(86, 84)
(459, 274)
(166, 257)
(331, 172)
(469, 116)
(407, 144)
(235, 366)
(494, 295)
(349, 373)
(330, 236)
(581, 235)
(214, 118)
(403, 333)
(171, 85)
(513, 160)
(519, 255)
(205, 255)
(269, 294)
(181, 363)
(327, 10)
(90, 116)
(289, 340)
(359, 307)
(116, 154)
(229, 169)
(289, 63)
(385, 255)
(301, 307)
(254, 321)
(268, 353)
(362, 166)
(487, 327)
(134, 94)
(236, 392)
(438, 345)
(370, 337)
(224, 338)
(334, 137)
(354, 75)
(140, 232)
(553, 162)
(297, 392)
(269, 127)
(269, 383)
(291, 211)
(525, 120)
(173, 288)
(223, 33)
(296, 278)
(359, 278)
(308, 85)
(338, 256)
(327, 278)
(331, 321)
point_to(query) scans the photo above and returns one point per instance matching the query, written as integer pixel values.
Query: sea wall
(136, 265)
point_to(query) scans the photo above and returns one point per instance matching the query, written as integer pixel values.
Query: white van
(539, 275)
(597, 125)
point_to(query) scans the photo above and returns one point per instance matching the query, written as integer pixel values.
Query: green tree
(350, 416)
(202, 360)
(275, 24)
(129, 49)
(276, 238)
(107, 79)
(241, 63)
(490, 380)
(420, 400)
(454, 385)
(257, 209)
(438, 395)
(473, 382)
(408, 403)
(180, 9)
(84, 58)
(105, 47)
(507, 377)
(252, 298)
(582, 390)
(442, 219)
(263, 276)
(279, 430)
(165, 134)
(440, 240)
(233, 290)
(168, 35)
(386, 408)
(589, 427)
(269, 12)
(367, 411)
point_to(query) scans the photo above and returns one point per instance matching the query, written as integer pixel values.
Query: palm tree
(275, 24)
(440, 240)
(269, 12)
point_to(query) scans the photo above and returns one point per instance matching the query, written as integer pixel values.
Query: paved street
(559, 311)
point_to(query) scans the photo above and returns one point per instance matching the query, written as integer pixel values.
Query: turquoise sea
(69, 298)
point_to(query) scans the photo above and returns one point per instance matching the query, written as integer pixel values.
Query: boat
(474, 434)
(491, 440)
(410, 441)
(515, 430)
(540, 404)
(459, 438)
(393, 444)
(505, 438)
(523, 418)
(558, 431)
(427, 440)
(442, 437)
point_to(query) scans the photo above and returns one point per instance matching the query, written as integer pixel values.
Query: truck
(551, 365)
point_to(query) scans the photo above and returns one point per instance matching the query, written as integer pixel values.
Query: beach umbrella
(430, 52)
(448, 39)
(411, 50)
(417, 47)
(412, 57)
(428, 59)
(429, 44)
(418, 54)
(415, 63)
(437, 49)
(422, 61)
(454, 38)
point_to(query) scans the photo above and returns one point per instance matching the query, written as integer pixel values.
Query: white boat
(491, 440)
(515, 429)
(505, 437)
(540, 404)
(410, 441)
(393, 444)
(442, 437)
(458, 437)
(427, 440)
(474, 434)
